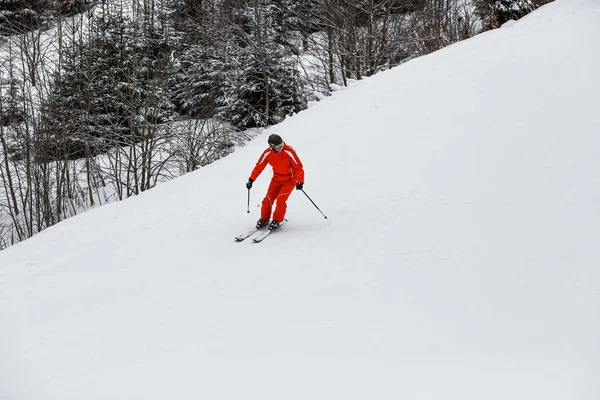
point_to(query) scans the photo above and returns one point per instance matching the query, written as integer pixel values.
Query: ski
(246, 235)
(251, 232)
(265, 234)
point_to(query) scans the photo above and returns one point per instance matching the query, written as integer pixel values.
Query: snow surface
(460, 259)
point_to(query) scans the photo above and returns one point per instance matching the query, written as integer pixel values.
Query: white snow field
(460, 258)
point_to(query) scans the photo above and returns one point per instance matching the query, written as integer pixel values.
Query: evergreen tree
(17, 16)
(237, 62)
(262, 84)
(198, 81)
(512, 9)
(494, 13)
(11, 96)
(203, 39)
(108, 88)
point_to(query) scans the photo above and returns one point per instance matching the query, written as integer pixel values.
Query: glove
(299, 185)
(249, 184)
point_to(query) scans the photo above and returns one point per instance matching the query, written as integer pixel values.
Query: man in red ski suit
(287, 173)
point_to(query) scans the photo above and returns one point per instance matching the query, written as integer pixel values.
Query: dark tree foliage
(263, 86)
(72, 7)
(201, 56)
(10, 98)
(253, 95)
(198, 81)
(18, 16)
(245, 75)
(312, 18)
(512, 9)
(494, 13)
(108, 87)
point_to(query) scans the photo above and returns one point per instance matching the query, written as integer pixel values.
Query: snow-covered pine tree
(108, 87)
(262, 84)
(198, 81)
(18, 16)
(512, 9)
(11, 96)
(494, 13)
(203, 43)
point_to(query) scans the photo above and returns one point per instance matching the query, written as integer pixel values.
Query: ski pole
(248, 210)
(314, 204)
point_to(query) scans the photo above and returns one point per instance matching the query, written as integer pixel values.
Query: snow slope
(460, 259)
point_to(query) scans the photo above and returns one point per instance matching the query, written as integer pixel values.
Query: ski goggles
(276, 147)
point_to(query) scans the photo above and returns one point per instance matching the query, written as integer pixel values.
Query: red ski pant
(278, 192)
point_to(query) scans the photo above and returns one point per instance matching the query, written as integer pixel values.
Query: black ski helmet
(275, 139)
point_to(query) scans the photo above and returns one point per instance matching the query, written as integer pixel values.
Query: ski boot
(274, 225)
(261, 223)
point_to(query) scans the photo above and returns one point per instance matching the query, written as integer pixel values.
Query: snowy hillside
(459, 260)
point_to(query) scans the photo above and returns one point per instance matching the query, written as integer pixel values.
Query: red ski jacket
(286, 165)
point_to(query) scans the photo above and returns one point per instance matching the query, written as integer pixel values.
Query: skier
(287, 173)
